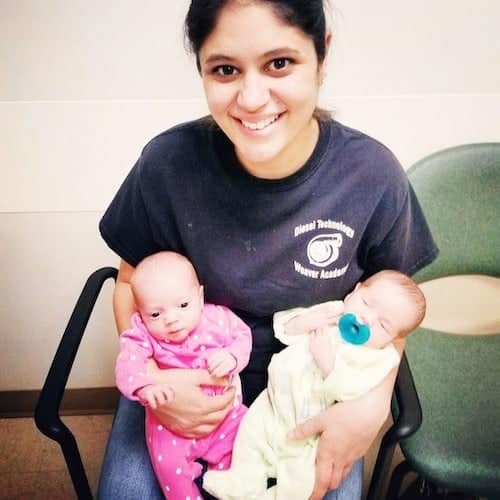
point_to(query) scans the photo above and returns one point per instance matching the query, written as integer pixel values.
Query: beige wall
(83, 85)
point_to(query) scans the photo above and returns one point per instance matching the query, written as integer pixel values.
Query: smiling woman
(276, 208)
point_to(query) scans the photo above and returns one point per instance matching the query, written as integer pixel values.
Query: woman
(277, 206)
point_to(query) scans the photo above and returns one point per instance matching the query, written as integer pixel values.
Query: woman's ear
(322, 70)
(328, 42)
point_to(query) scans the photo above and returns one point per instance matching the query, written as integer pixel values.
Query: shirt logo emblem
(323, 249)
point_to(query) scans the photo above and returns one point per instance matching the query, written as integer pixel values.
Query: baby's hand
(156, 395)
(221, 363)
(322, 350)
(319, 316)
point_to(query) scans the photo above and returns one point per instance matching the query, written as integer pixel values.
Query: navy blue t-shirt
(260, 246)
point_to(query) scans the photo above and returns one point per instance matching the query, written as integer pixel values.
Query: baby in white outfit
(320, 366)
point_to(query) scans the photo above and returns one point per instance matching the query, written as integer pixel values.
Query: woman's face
(261, 80)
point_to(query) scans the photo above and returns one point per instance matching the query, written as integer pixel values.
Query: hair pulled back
(307, 15)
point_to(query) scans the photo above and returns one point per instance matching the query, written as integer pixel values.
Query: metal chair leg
(397, 477)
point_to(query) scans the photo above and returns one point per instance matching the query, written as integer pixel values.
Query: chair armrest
(48, 406)
(407, 414)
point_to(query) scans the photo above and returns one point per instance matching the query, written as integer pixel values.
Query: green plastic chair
(457, 377)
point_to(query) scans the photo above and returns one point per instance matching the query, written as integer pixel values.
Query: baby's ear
(202, 295)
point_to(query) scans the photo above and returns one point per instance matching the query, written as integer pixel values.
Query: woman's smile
(261, 124)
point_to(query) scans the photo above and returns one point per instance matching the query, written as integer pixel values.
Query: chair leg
(381, 470)
(76, 469)
(397, 477)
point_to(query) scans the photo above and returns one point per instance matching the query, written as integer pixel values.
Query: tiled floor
(32, 466)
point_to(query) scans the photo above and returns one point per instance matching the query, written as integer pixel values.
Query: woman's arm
(347, 431)
(192, 413)
(123, 301)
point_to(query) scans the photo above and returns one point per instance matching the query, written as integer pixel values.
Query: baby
(321, 365)
(177, 330)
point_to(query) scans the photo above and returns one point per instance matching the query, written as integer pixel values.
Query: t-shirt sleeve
(398, 236)
(126, 225)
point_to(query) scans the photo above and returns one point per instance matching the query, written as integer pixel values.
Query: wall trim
(75, 402)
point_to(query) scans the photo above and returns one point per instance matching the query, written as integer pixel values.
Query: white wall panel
(46, 259)
(395, 47)
(59, 156)
(84, 84)
(124, 49)
(93, 49)
(416, 126)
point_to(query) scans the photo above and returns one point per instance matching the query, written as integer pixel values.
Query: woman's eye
(184, 305)
(279, 63)
(225, 70)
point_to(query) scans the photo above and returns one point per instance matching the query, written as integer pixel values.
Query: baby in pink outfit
(176, 329)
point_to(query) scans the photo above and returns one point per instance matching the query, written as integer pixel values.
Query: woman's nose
(253, 93)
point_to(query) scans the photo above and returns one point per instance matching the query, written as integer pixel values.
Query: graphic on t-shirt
(323, 249)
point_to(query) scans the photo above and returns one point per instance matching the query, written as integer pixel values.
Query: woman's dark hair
(308, 15)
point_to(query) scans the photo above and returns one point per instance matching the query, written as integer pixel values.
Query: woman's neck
(290, 159)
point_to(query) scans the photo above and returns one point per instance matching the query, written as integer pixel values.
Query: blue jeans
(126, 473)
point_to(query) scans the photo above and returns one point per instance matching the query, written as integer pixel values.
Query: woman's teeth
(260, 125)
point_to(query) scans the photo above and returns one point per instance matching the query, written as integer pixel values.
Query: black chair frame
(47, 411)
(406, 407)
(407, 416)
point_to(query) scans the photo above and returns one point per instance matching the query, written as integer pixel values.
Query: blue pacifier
(352, 331)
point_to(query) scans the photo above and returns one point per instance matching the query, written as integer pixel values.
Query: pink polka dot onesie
(172, 456)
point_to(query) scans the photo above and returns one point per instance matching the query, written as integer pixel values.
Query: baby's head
(390, 303)
(168, 295)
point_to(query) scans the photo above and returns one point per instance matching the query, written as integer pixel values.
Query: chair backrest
(459, 189)
(458, 376)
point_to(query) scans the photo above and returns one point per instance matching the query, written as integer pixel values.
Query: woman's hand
(192, 413)
(347, 430)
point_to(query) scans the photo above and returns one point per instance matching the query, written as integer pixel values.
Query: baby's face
(170, 308)
(382, 307)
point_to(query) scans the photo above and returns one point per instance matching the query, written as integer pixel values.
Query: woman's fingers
(221, 402)
(324, 476)
(203, 377)
(309, 428)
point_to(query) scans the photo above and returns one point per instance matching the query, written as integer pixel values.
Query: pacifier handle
(352, 331)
